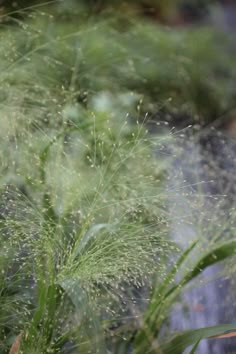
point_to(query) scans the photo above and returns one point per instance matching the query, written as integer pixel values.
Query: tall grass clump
(77, 232)
(78, 238)
(86, 258)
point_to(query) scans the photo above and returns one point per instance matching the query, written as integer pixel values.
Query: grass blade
(183, 340)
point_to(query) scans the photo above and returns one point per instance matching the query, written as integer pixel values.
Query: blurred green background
(178, 57)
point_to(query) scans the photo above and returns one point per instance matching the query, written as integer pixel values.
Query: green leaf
(161, 302)
(181, 341)
(92, 233)
(90, 322)
(157, 300)
(49, 213)
(160, 292)
(195, 346)
(216, 255)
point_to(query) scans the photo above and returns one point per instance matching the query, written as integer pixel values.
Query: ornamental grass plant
(87, 261)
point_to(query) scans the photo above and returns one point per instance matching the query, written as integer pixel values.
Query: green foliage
(163, 296)
(181, 342)
(81, 242)
(83, 216)
(121, 56)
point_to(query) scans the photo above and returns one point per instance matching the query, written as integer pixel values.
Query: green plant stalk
(155, 313)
